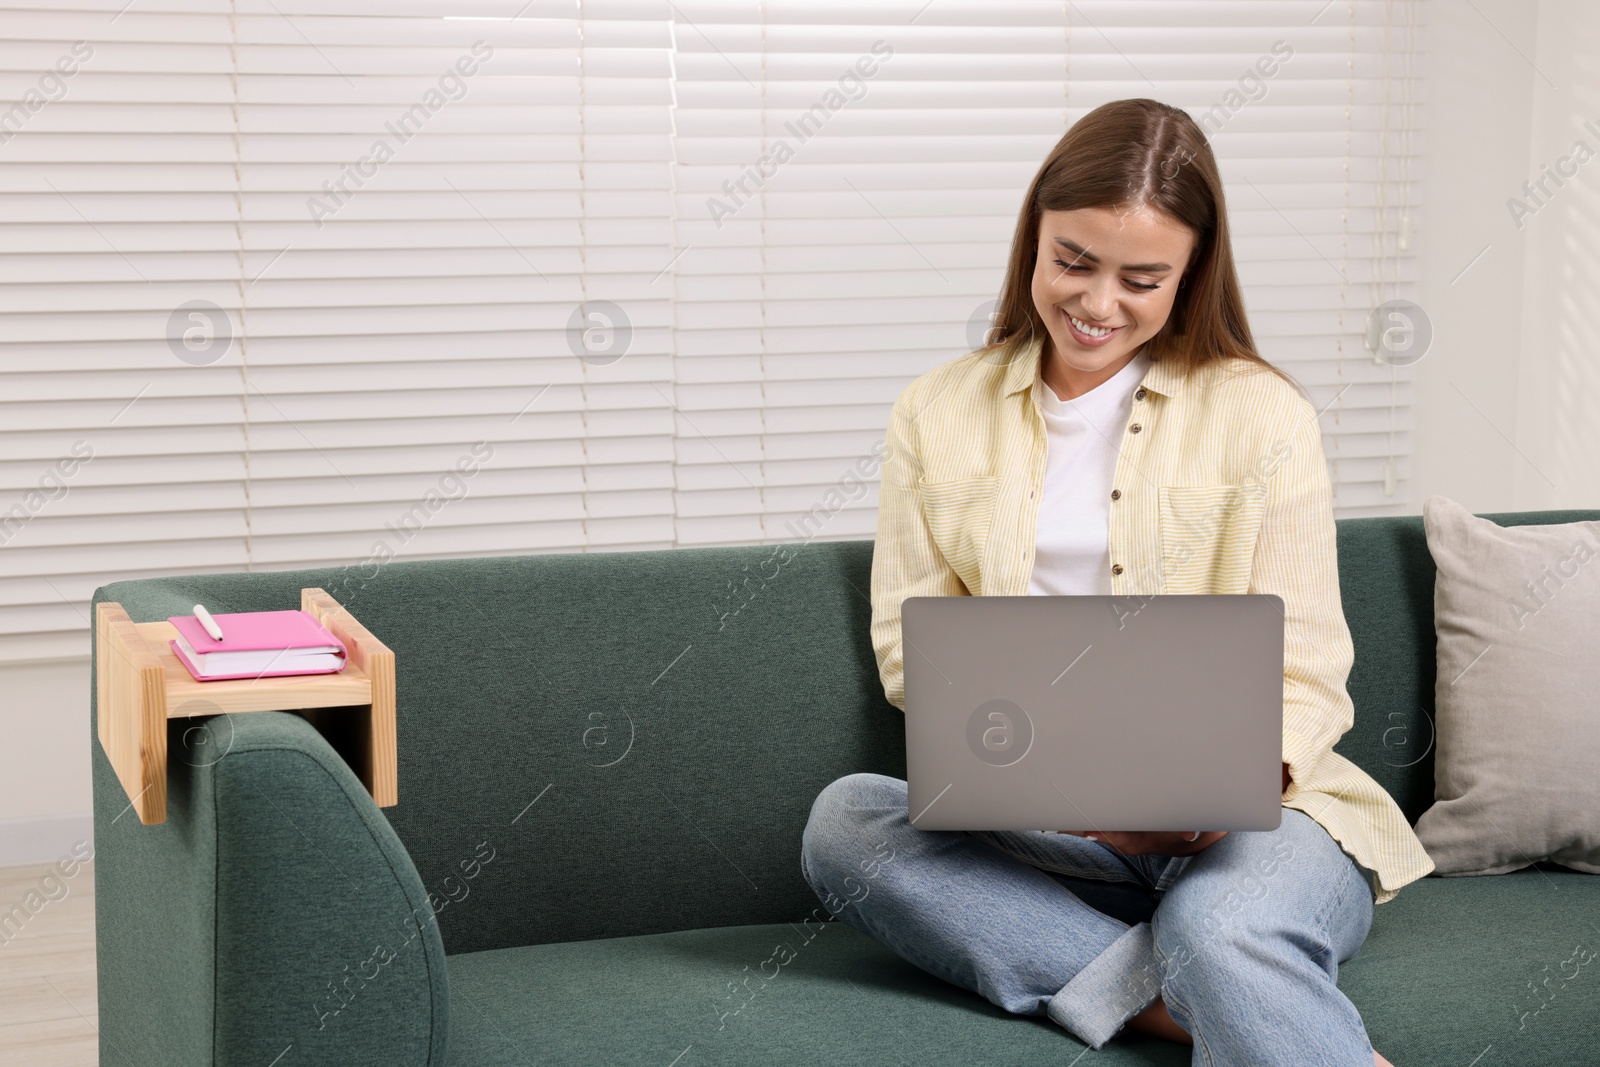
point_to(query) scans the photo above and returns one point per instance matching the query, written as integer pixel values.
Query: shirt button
(1135, 428)
(1140, 394)
(1116, 568)
(1116, 494)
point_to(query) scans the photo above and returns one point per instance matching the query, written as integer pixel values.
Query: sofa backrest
(635, 737)
(638, 736)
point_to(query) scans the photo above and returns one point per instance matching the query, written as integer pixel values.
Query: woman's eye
(1144, 287)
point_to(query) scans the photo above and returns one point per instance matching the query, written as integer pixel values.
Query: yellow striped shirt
(1220, 487)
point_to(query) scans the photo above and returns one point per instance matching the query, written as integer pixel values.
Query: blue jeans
(1243, 940)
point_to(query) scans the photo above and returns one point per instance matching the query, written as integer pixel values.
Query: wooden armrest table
(141, 684)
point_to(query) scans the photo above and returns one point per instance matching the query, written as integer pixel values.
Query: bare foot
(1156, 1021)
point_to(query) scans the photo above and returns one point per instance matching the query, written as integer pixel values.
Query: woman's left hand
(1152, 842)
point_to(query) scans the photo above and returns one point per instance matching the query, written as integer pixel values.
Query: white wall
(1480, 95)
(1505, 398)
(1558, 388)
(45, 796)
(1506, 395)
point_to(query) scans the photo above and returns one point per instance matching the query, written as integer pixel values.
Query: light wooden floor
(48, 1008)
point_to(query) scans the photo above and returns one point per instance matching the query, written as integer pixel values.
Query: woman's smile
(1087, 334)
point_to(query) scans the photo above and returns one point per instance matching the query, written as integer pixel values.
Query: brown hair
(1138, 152)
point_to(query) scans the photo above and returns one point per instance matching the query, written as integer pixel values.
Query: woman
(1122, 436)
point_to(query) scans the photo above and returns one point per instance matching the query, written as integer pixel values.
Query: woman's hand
(1159, 842)
(1152, 842)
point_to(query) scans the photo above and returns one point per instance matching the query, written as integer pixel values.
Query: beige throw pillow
(1516, 610)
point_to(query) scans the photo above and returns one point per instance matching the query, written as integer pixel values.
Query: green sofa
(605, 764)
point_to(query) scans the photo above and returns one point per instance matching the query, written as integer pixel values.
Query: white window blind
(824, 264)
(398, 215)
(586, 270)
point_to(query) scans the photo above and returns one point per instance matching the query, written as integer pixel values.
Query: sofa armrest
(274, 909)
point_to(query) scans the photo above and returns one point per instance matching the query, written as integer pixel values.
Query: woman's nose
(1098, 301)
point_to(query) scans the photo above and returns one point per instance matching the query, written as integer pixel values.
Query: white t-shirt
(1070, 554)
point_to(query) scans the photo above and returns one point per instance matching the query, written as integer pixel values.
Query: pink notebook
(257, 644)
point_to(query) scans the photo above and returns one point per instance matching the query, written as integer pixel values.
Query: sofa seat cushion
(1501, 967)
(1452, 966)
(841, 999)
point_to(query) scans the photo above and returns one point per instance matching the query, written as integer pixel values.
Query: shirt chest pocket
(959, 515)
(1208, 536)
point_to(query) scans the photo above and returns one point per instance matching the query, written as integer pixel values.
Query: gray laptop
(1094, 712)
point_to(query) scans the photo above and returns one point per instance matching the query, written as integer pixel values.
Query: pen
(208, 622)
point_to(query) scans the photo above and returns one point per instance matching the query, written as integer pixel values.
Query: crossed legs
(1239, 953)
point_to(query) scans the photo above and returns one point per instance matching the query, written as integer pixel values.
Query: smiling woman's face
(1113, 270)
